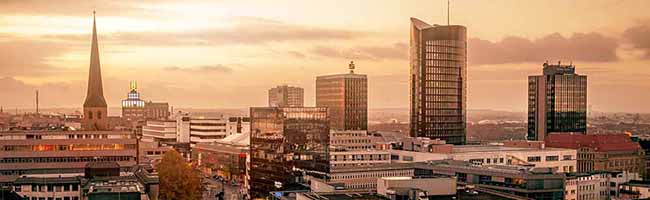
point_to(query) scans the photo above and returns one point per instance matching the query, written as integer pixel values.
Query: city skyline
(49, 50)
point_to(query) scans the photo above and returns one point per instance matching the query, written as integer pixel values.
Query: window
(534, 159)
(567, 157)
(407, 158)
(552, 158)
(90, 114)
(99, 114)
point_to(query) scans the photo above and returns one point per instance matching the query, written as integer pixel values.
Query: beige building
(286, 96)
(346, 96)
(59, 152)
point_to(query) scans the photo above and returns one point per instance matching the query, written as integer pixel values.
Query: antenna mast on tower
(37, 102)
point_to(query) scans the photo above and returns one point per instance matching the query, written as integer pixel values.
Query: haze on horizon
(227, 54)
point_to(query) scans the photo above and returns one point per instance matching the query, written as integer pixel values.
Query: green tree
(178, 181)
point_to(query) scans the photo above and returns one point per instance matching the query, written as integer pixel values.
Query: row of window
(66, 159)
(68, 147)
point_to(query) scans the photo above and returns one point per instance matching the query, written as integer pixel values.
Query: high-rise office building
(557, 102)
(286, 96)
(438, 81)
(95, 108)
(287, 143)
(346, 96)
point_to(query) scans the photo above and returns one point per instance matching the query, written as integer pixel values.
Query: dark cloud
(394, 51)
(639, 37)
(586, 47)
(201, 69)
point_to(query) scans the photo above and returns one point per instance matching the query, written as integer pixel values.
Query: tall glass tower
(557, 102)
(438, 81)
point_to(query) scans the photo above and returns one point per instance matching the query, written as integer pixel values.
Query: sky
(227, 54)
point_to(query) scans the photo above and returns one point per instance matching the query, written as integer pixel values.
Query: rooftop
(496, 148)
(598, 142)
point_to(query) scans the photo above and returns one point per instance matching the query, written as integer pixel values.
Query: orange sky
(220, 54)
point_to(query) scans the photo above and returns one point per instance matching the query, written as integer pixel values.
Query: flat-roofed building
(47, 152)
(563, 160)
(557, 102)
(364, 178)
(287, 142)
(286, 96)
(602, 152)
(514, 181)
(159, 131)
(346, 96)
(424, 186)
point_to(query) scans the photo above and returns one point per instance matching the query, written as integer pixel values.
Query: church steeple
(95, 95)
(95, 108)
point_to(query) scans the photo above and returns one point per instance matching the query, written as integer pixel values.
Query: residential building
(602, 152)
(287, 143)
(438, 81)
(286, 96)
(346, 96)
(95, 108)
(557, 102)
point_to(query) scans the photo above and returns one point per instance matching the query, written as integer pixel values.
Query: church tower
(95, 108)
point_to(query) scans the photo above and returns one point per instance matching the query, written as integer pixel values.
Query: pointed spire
(95, 95)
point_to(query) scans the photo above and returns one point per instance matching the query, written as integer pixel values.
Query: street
(213, 187)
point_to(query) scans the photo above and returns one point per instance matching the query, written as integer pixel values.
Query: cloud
(19, 57)
(586, 47)
(76, 8)
(395, 51)
(219, 68)
(244, 31)
(639, 37)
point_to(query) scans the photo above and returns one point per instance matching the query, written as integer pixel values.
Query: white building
(564, 160)
(596, 185)
(191, 129)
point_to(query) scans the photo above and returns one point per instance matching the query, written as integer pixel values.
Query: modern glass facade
(557, 102)
(346, 96)
(438, 81)
(287, 143)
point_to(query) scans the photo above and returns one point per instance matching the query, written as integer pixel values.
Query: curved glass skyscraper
(438, 56)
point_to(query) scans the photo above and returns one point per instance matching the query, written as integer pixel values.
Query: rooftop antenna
(351, 66)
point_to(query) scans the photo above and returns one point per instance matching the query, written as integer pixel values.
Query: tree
(177, 178)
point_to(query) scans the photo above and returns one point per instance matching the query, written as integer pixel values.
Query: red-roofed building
(602, 152)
